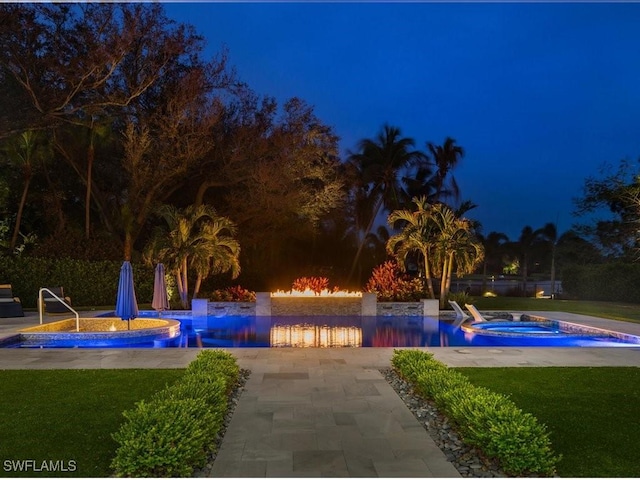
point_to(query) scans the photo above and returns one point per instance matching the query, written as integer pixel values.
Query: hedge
(485, 419)
(607, 282)
(87, 283)
(173, 433)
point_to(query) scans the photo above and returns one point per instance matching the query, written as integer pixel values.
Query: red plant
(390, 285)
(233, 294)
(315, 284)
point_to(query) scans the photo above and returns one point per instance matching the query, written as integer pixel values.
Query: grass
(65, 415)
(592, 413)
(626, 312)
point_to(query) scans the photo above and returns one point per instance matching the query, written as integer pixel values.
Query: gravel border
(469, 461)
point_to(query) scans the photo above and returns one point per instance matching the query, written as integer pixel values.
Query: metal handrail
(41, 306)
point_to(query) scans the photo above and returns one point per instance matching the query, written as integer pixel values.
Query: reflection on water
(311, 335)
(323, 332)
(353, 331)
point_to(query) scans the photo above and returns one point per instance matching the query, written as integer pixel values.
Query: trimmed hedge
(173, 433)
(485, 419)
(607, 282)
(87, 283)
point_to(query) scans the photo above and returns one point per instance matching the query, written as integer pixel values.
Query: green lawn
(69, 415)
(627, 312)
(592, 413)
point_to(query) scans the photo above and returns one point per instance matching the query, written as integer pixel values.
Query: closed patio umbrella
(160, 297)
(126, 304)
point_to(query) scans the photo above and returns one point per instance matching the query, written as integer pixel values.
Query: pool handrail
(41, 306)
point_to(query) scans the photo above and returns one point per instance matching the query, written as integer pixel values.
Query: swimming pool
(349, 332)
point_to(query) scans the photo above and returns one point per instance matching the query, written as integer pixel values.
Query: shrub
(71, 243)
(437, 382)
(460, 297)
(172, 433)
(216, 361)
(411, 363)
(390, 285)
(609, 281)
(163, 438)
(485, 419)
(233, 294)
(88, 283)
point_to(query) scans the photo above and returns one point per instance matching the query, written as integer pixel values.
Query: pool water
(522, 329)
(345, 331)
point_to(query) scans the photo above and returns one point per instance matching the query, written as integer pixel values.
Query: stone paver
(325, 418)
(325, 412)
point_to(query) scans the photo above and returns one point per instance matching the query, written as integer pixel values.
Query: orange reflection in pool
(308, 335)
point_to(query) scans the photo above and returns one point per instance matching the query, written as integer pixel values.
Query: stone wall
(302, 306)
(265, 305)
(231, 309)
(399, 309)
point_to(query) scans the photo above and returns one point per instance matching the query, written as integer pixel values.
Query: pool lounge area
(382, 331)
(289, 359)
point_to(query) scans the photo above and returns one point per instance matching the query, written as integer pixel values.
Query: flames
(307, 292)
(314, 287)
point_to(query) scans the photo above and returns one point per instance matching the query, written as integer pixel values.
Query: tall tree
(168, 131)
(68, 59)
(379, 164)
(493, 249)
(76, 63)
(572, 249)
(549, 233)
(611, 203)
(275, 170)
(526, 243)
(25, 151)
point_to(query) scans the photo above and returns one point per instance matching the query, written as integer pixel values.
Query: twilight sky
(540, 96)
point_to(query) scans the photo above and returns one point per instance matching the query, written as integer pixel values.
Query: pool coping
(566, 328)
(373, 356)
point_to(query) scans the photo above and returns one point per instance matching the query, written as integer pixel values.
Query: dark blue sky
(539, 95)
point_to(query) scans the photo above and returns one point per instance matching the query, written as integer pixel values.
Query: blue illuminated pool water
(345, 331)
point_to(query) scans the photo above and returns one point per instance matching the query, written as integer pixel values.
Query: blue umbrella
(160, 297)
(126, 304)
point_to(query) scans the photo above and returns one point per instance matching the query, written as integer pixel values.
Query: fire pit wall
(267, 306)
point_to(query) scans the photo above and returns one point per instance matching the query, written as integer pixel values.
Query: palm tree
(376, 243)
(442, 238)
(378, 166)
(528, 238)
(197, 237)
(456, 245)
(99, 131)
(446, 157)
(550, 234)
(493, 246)
(24, 151)
(417, 235)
